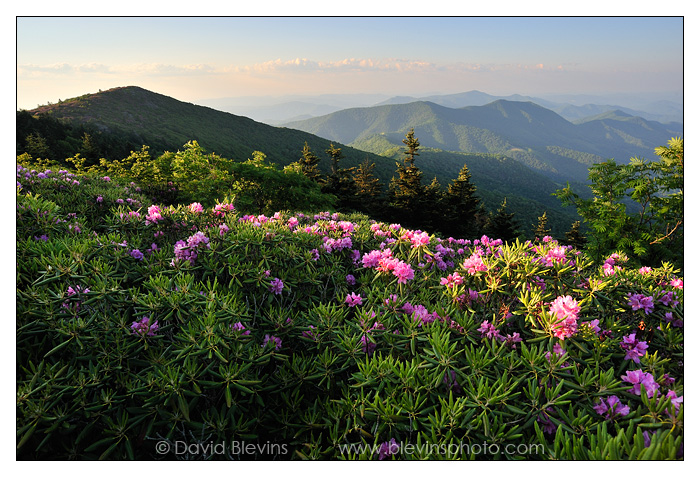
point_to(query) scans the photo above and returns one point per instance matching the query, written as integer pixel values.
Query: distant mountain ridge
(525, 131)
(164, 123)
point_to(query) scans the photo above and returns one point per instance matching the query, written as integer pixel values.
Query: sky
(196, 58)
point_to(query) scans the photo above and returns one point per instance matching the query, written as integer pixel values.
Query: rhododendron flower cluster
(239, 327)
(635, 349)
(611, 407)
(641, 302)
(220, 210)
(188, 250)
(353, 300)
(475, 263)
(276, 286)
(387, 449)
(639, 377)
(154, 214)
(142, 328)
(566, 310)
(276, 342)
(195, 207)
(452, 280)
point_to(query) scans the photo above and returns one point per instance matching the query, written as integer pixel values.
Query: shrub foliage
(327, 336)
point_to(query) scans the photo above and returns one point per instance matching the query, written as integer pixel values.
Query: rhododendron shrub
(321, 330)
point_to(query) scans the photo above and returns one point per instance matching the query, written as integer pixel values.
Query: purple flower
(136, 253)
(367, 345)
(639, 377)
(387, 449)
(276, 286)
(142, 328)
(353, 300)
(240, 328)
(641, 302)
(635, 348)
(488, 330)
(350, 279)
(310, 333)
(272, 339)
(315, 255)
(611, 407)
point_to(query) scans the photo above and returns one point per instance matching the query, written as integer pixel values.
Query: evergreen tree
(462, 207)
(406, 191)
(574, 237)
(540, 230)
(412, 146)
(309, 163)
(502, 225)
(339, 182)
(368, 188)
(37, 146)
(431, 215)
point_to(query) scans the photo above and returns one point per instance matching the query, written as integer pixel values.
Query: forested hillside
(111, 124)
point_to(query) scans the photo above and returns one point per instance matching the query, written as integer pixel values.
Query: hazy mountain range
(514, 149)
(281, 109)
(533, 135)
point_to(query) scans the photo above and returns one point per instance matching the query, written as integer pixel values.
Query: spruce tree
(574, 237)
(462, 207)
(502, 225)
(540, 230)
(406, 191)
(368, 188)
(339, 182)
(309, 163)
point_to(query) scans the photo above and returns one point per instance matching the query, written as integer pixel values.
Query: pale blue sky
(198, 58)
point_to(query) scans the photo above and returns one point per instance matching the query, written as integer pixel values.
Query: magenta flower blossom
(99, 199)
(403, 272)
(638, 377)
(367, 345)
(566, 310)
(488, 330)
(276, 286)
(353, 300)
(350, 279)
(310, 333)
(238, 326)
(142, 328)
(277, 342)
(611, 407)
(452, 280)
(195, 207)
(513, 339)
(677, 283)
(640, 302)
(221, 209)
(676, 400)
(644, 270)
(635, 349)
(136, 253)
(387, 449)
(475, 263)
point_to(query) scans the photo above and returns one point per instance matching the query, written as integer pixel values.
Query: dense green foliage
(153, 332)
(653, 230)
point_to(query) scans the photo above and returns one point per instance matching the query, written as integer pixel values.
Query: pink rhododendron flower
(195, 207)
(277, 342)
(387, 449)
(276, 286)
(611, 407)
(635, 349)
(566, 310)
(639, 377)
(641, 302)
(353, 300)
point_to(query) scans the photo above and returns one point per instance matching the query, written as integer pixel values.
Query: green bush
(193, 333)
